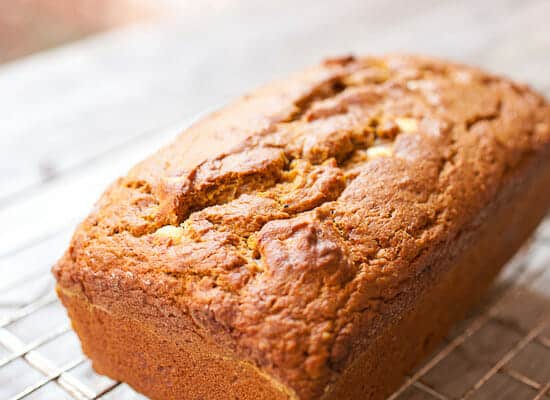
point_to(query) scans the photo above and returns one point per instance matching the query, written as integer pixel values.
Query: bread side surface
(286, 225)
(441, 295)
(162, 361)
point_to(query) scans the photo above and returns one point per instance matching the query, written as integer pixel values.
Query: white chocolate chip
(407, 124)
(172, 232)
(383, 150)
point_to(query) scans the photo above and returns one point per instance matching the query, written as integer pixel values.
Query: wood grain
(66, 107)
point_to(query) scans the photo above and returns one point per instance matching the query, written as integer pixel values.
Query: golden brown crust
(177, 364)
(309, 207)
(422, 314)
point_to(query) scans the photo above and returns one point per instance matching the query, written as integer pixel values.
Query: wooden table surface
(76, 117)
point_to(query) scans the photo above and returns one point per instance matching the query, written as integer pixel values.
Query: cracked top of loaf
(285, 223)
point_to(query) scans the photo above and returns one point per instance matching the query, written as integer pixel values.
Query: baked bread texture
(314, 239)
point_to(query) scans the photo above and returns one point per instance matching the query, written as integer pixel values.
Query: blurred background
(89, 87)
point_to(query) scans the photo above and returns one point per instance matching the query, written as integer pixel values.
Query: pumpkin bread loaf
(314, 239)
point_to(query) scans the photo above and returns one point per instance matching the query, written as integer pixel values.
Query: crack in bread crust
(342, 183)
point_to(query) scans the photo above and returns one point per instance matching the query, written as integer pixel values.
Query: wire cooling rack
(500, 351)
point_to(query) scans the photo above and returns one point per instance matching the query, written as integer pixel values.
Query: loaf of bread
(314, 239)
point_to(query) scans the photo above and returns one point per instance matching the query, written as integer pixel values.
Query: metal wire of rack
(502, 350)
